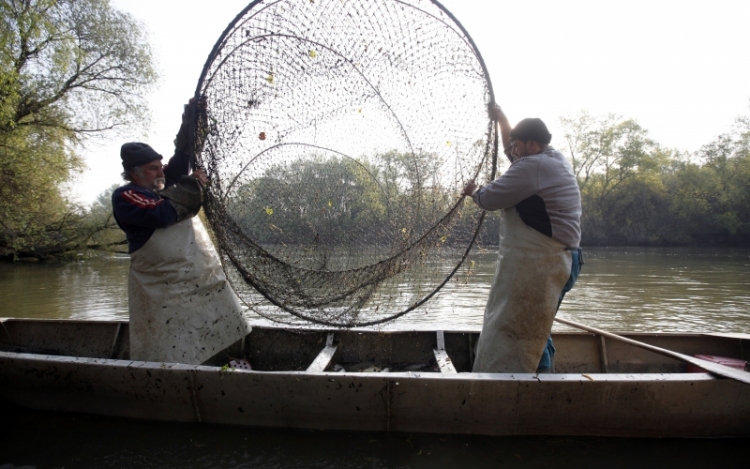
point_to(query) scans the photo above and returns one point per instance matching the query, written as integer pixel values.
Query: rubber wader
(532, 270)
(182, 310)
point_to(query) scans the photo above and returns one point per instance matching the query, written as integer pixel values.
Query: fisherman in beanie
(181, 307)
(539, 254)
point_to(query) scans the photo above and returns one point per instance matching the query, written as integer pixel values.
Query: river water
(620, 289)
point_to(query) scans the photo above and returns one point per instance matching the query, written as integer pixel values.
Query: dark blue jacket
(139, 211)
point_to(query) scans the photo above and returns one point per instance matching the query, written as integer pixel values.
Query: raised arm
(185, 150)
(496, 114)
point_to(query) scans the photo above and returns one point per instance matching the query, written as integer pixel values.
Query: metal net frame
(337, 139)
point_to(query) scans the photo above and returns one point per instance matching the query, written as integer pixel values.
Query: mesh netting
(338, 137)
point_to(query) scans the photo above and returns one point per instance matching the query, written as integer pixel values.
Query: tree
(635, 192)
(69, 70)
(102, 231)
(332, 201)
(607, 150)
(618, 169)
(717, 194)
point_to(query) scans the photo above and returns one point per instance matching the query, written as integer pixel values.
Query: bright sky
(679, 67)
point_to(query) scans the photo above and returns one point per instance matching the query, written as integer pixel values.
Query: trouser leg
(547, 362)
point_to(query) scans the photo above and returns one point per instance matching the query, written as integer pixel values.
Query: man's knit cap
(136, 154)
(531, 128)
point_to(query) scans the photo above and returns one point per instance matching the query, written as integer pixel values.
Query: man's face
(518, 149)
(150, 176)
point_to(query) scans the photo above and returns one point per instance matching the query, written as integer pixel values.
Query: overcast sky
(680, 68)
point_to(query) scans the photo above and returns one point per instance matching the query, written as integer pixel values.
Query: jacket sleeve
(520, 182)
(178, 166)
(143, 208)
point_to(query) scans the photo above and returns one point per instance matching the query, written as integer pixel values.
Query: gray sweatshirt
(544, 192)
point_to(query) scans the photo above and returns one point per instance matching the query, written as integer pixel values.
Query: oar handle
(711, 367)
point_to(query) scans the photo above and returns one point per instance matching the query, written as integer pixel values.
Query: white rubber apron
(182, 310)
(532, 270)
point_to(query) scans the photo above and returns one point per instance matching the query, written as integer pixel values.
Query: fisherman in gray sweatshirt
(539, 254)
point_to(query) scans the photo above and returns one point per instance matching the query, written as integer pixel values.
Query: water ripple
(625, 289)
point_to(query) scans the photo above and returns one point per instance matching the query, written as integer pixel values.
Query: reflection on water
(620, 289)
(657, 289)
(87, 289)
(347, 295)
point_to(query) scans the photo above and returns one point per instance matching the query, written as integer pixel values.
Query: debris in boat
(240, 363)
(372, 369)
(224, 369)
(364, 367)
(419, 367)
(587, 376)
(360, 367)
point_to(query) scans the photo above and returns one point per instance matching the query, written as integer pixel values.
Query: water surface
(620, 289)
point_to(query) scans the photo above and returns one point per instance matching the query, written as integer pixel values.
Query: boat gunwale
(300, 329)
(463, 376)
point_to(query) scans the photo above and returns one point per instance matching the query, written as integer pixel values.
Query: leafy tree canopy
(635, 192)
(69, 69)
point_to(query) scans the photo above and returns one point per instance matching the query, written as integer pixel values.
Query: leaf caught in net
(337, 140)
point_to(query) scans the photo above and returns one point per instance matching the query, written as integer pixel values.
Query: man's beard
(159, 184)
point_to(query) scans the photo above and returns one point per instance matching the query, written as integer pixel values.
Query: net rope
(337, 139)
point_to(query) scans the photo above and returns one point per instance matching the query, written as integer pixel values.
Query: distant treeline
(634, 192)
(343, 201)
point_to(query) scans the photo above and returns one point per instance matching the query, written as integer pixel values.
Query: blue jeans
(575, 269)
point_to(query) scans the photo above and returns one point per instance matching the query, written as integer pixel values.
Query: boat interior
(319, 350)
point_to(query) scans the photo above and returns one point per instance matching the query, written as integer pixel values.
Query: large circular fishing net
(338, 137)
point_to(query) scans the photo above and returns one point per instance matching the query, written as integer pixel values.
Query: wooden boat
(407, 381)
